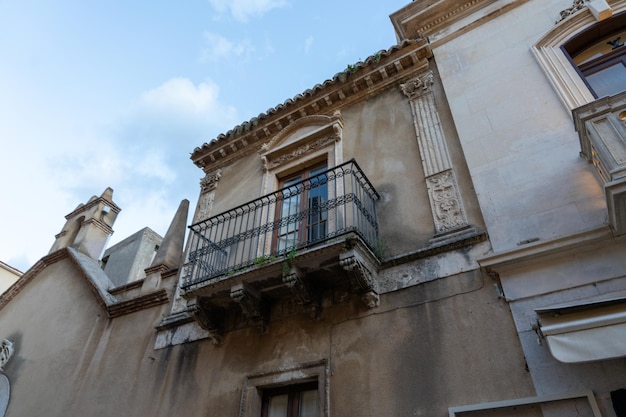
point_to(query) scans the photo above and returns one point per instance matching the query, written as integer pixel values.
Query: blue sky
(115, 93)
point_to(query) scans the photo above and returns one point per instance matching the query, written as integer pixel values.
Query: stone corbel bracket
(293, 278)
(206, 319)
(363, 273)
(251, 303)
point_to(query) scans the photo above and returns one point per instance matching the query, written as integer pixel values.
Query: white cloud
(242, 10)
(143, 156)
(220, 48)
(308, 42)
(180, 98)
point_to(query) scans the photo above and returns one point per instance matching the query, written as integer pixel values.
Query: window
(599, 54)
(302, 387)
(291, 401)
(571, 43)
(303, 210)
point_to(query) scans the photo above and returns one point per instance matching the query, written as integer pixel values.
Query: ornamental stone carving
(294, 279)
(6, 351)
(576, 6)
(210, 180)
(363, 279)
(250, 302)
(419, 85)
(446, 202)
(208, 320)
(299, 151)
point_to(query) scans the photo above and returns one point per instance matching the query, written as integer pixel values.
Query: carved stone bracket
(363, 277)
(250, 301)
(294, 279)
(208, 320)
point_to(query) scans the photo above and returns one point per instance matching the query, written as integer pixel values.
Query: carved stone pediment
(305, 136)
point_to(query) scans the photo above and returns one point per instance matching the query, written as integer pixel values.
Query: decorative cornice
(531, 253)
(356, 83)
(136, 304)
(109, 302)
(443, 20)
(432, 15)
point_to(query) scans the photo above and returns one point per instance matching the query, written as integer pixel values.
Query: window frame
(255, 384)
(293, 392)
(302, 178)
(591, 36)
(562, 73)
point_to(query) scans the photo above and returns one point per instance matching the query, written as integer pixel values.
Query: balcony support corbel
(293, 278)
(250, 301)
(206, 319)
(363, 276)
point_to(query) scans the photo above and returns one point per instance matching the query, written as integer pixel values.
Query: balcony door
(302, 211)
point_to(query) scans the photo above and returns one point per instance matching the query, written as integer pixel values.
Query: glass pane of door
(317, 205)
(289, 210)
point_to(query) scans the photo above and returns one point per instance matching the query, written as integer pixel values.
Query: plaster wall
(518, 138)
(425, 348)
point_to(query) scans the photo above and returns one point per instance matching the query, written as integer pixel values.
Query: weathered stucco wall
(425, 348)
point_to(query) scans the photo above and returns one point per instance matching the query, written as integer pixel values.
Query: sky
(97, 94)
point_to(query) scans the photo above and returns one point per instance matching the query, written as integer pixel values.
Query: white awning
(586, 331)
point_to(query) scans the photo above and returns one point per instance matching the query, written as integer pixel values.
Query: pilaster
(443, 191)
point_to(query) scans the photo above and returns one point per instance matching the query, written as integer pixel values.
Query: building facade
(418, 235)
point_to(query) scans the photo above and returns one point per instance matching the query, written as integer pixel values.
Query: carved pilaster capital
(294, 280)
(210, 180)
(419, 85)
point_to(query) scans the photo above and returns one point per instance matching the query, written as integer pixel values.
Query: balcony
(601, 126)
(311, 236)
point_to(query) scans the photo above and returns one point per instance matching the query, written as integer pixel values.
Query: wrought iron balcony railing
(307, 213)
